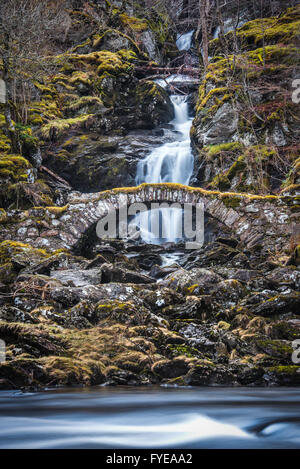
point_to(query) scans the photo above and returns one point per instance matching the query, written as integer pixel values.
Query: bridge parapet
(253, 219)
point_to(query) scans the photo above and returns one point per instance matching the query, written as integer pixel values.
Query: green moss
(194, 190)
(113, 63)
(128, 55)
(133, 23)
(14, 167)
(238, 166)
(106, 61)
(185, 350)
(56, 128)
(214, 150)
(43, 111)
(283, 29)
(190, 290)
(231, 202)
(58, 211)
(9, 249)
(285, 369)
(45, 89)
(82, 102)
(275, 347)
(77, 48)
(99, 38)
(212, 93)
(5, 144)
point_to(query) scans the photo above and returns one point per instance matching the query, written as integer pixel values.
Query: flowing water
(154, 417)
(184, 41)
(172, 162)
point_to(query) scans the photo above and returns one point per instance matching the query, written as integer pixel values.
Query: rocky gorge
(79, 310)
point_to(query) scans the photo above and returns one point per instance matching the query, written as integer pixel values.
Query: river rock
(78, 278)
(113, 273)
(196, 279)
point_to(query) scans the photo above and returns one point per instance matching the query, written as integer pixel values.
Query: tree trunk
(11, 129)
(204, 18)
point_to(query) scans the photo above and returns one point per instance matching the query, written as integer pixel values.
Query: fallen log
(55, 176)
(183, 70)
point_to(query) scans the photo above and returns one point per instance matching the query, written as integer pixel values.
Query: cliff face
(245, 131)
(90, 312)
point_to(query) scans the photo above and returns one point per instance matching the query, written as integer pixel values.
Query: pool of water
(154, 417)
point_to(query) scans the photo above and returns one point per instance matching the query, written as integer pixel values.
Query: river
(151, 417)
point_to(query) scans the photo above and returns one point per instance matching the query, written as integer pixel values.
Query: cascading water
(184, 41)
(172, 162)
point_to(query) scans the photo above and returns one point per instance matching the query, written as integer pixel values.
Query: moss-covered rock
(235, 110)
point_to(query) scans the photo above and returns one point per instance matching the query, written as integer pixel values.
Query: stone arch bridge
(266, 220)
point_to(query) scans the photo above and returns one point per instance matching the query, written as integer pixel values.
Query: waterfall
(172, 162)
(184, 41)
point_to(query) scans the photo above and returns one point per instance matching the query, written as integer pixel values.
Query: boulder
(167, 369)
(70, 296)
(113, 273)
(78, 278)
(279, 304)
(194, 281)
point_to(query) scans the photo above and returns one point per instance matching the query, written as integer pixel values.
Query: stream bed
(151, 417)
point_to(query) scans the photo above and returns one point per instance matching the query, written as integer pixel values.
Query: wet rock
(70, 296)
(96, 262)
(78, 278)
(20, 373)
(279, 304)
(113, 41)
(242, 275)
(108, 252)
(117, 377)
(161, 298)
(59, 260)
(161, 272)
(113, 273)
(200, 337)
(194, 281)
(250, 375)
(167, 369)
(7, 274)
(220, 129)
(287, 276)
(12, 314)
(200, 308)
(44, 343)
(208, 374)
(278, 349)
(80, 316)
(97, 163)
(146, 261)
(282, 376)
(229, 291)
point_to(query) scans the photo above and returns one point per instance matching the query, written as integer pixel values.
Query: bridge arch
(251, 219)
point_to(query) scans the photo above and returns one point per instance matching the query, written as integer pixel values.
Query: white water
(172, 162)
(173, 80)
(184, 41)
